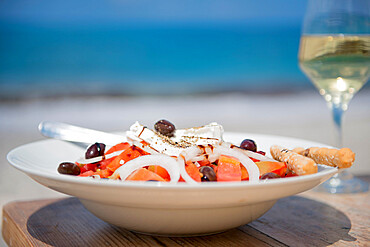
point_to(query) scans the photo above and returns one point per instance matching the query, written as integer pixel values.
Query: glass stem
(337, 110)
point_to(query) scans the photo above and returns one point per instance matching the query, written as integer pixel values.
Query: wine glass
(334, 54)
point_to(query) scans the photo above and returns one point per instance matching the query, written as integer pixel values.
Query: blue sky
(150, 11)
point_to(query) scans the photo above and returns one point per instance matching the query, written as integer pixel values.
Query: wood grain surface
(309, 219)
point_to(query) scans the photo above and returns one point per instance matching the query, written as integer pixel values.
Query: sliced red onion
(226, 144)
(191, 152)
(165, 161)
(146, 148)
(84, 161)
(255, 155)
(251, 167)
(213, 157)
(198, 158)
(208, 149)
(183, 172)
(111, 155)
(99, 158)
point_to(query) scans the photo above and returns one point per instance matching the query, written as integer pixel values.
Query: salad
(197, 154)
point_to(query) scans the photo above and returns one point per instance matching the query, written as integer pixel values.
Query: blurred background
(106, 64)
(127, 47)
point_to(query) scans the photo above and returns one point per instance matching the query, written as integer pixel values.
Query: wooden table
(308, 219)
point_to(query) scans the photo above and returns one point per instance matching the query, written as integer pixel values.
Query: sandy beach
(301, 115)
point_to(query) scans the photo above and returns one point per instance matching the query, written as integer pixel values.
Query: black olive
(69, 168)
(95, 150)
(248, 144)
(270, 175)
(165, 127)
(208, 174)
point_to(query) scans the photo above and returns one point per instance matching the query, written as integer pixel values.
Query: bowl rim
(17, 162)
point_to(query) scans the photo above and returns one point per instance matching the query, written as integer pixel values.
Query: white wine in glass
(334, 53)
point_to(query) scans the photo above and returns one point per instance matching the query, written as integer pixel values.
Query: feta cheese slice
(182, 139)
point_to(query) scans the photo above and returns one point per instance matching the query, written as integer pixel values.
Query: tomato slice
(118, 147)
(88, 167)
(130, 153)
(228, 169)
(86, 174)
(143, 174)
(278, 168)
(160, 171)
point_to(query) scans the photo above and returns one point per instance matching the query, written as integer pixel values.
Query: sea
(54, 60)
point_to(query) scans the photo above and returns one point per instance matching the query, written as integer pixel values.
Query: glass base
(341, 183)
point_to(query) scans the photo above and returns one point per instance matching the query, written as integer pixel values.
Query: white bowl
(161, 208)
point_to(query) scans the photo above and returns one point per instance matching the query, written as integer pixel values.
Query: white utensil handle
(67, 132)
